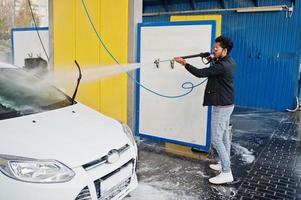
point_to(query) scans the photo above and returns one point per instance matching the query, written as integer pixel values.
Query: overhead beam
(239, 9)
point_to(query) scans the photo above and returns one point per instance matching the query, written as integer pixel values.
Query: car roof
(7, 65)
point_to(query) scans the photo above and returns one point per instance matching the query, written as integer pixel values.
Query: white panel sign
(178, 120)
(25, 42)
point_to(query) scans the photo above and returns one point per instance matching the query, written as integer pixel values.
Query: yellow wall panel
(74, 38)
(63, 32)
(87, 50)
(114, 30)
(64, 39)
(218, 19)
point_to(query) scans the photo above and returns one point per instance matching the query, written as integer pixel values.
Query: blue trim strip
(143, 135)
(208, 134)
(22, 29)
(12, 45)
(209, 111)
(29, 29)
(179, 23)
(138, 80)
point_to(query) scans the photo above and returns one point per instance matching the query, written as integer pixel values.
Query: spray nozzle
(205, 55)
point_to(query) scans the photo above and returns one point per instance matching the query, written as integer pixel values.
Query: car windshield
(22, 93)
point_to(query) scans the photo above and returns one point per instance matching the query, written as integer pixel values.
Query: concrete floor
(258, 138)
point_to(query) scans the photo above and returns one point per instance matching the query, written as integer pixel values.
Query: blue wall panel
(267, 48)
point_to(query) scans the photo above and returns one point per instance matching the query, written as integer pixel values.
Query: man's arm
(213, 70)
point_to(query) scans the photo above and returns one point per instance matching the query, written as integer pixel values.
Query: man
(219, 94)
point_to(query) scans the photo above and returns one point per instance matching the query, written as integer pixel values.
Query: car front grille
(103, 159)
(123, 181)
(84, 194)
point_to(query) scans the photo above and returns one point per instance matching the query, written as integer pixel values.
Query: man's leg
(228, 131)
(217, 130)
(226, 139)
(214, 121)
(220, 146)
(225, 121)
(220, 119)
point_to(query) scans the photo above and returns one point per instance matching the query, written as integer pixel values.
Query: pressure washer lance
(205, 55)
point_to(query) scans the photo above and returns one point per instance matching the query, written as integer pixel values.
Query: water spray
(186, 85)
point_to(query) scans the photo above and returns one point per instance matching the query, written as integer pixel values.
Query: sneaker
(216, 167)
(222, 178)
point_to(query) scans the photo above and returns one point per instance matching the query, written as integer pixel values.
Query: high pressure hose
(186, 85)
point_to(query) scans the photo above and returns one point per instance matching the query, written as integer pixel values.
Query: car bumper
(18, 190)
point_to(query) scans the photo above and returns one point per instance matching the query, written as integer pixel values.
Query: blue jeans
(220, 134)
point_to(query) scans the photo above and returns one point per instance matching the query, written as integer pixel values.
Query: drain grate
(276, 174)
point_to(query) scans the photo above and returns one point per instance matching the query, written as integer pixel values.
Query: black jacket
(220, 86)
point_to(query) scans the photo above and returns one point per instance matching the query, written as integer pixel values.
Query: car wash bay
(171, 128)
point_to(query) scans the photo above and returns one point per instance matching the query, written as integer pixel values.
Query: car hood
(73, 135)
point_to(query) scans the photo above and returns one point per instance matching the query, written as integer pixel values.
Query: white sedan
(53, 149)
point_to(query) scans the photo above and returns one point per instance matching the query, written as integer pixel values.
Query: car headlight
(127, 130)
(35, 171)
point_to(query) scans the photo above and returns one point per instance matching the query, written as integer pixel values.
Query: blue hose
(186, 85)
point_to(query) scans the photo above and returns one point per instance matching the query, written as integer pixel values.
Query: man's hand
(180, 60)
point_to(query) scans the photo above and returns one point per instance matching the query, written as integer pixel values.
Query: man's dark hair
(225, 42)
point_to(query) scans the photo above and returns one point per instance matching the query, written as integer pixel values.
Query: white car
(53, 149)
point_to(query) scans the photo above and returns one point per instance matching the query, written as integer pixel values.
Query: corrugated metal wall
(267, 48)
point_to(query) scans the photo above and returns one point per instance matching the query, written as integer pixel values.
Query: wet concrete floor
(265, 162)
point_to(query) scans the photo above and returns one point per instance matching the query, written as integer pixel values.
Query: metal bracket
(157, 62)
(290, 10)
(172, 62)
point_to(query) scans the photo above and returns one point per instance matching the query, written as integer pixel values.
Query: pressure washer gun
(205, 55)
